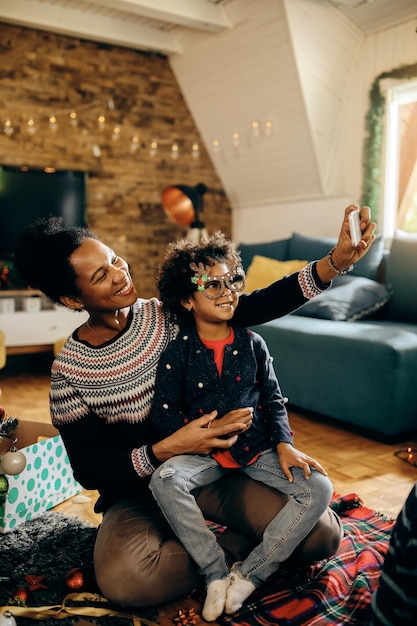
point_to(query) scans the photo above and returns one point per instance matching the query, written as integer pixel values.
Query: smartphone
(354, 226)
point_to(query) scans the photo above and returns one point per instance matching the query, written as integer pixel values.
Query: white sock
(215, 599)
(240, 588)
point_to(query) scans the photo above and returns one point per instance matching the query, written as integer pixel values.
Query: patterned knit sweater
(101, 396)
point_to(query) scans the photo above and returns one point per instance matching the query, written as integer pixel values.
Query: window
(400, 197)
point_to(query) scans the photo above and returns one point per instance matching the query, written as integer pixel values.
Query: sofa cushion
(263, 271)
(272, 249)
(402, 275)
(312, 248)
(350, 298)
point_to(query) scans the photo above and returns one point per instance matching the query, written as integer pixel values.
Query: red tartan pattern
(333, 592)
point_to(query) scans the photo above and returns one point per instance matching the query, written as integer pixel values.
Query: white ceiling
(154, 24)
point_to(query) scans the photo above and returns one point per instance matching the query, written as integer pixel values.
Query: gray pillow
(272, 249)
(313, 248)
(402, 275)
(350, 298)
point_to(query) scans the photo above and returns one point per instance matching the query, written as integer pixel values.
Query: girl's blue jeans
(172, 485)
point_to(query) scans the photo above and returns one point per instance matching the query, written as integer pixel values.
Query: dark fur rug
(50, 546)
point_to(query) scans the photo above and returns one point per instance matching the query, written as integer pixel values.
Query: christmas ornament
(7, 619)
(187, 617)
(34, 582)
(19, 597)
(4, 488)
(75, 578)
(13, 462)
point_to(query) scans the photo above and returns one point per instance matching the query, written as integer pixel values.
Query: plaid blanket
(337, 591)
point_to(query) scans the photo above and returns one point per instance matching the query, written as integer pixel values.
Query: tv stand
(28, 330)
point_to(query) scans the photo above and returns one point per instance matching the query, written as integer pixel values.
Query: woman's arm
(101, 455)
(289, 293)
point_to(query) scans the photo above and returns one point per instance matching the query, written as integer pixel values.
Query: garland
(374, 127)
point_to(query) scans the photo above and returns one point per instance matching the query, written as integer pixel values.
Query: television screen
(27, 195)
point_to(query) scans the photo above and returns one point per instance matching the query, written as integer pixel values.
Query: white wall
(317, 218)
(309, 69)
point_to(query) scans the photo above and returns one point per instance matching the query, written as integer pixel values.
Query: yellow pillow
(263, 271)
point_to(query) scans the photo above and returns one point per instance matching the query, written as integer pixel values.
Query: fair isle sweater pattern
(115, 380)
(307, 282)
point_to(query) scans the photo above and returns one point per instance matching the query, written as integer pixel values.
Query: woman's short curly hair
(174, 274)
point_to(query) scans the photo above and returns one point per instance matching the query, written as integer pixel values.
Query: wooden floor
(355, 463)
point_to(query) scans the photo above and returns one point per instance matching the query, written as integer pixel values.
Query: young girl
(215, 367)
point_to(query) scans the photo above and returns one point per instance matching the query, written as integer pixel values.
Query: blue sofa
(351, 353)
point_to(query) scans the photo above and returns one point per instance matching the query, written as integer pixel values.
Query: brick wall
(44, 75)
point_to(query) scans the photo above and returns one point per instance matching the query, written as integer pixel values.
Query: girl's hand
(291, 457)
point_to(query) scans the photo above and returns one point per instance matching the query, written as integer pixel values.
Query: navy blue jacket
(188, 385)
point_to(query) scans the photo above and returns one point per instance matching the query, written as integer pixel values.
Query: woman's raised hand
(344, 253)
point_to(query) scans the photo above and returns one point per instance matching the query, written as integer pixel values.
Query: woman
(101, 393)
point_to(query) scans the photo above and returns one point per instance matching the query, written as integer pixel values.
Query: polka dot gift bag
(46, 481)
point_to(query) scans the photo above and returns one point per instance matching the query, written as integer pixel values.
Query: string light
(255, 128)
(91, 127)
(8, 128)
(215, 145)
(134, 143)
(153, 148)
(115, 136)
(73, 119)
(175, 151)
(101, 122)
(268, 127)
(53, 124)
(235, 138)
(30, 127)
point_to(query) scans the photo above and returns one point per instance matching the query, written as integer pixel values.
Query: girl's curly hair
(173, 277)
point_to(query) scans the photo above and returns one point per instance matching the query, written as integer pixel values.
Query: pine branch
(7, 424)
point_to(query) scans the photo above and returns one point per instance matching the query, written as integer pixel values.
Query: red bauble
(75, 579)
(20, 596)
